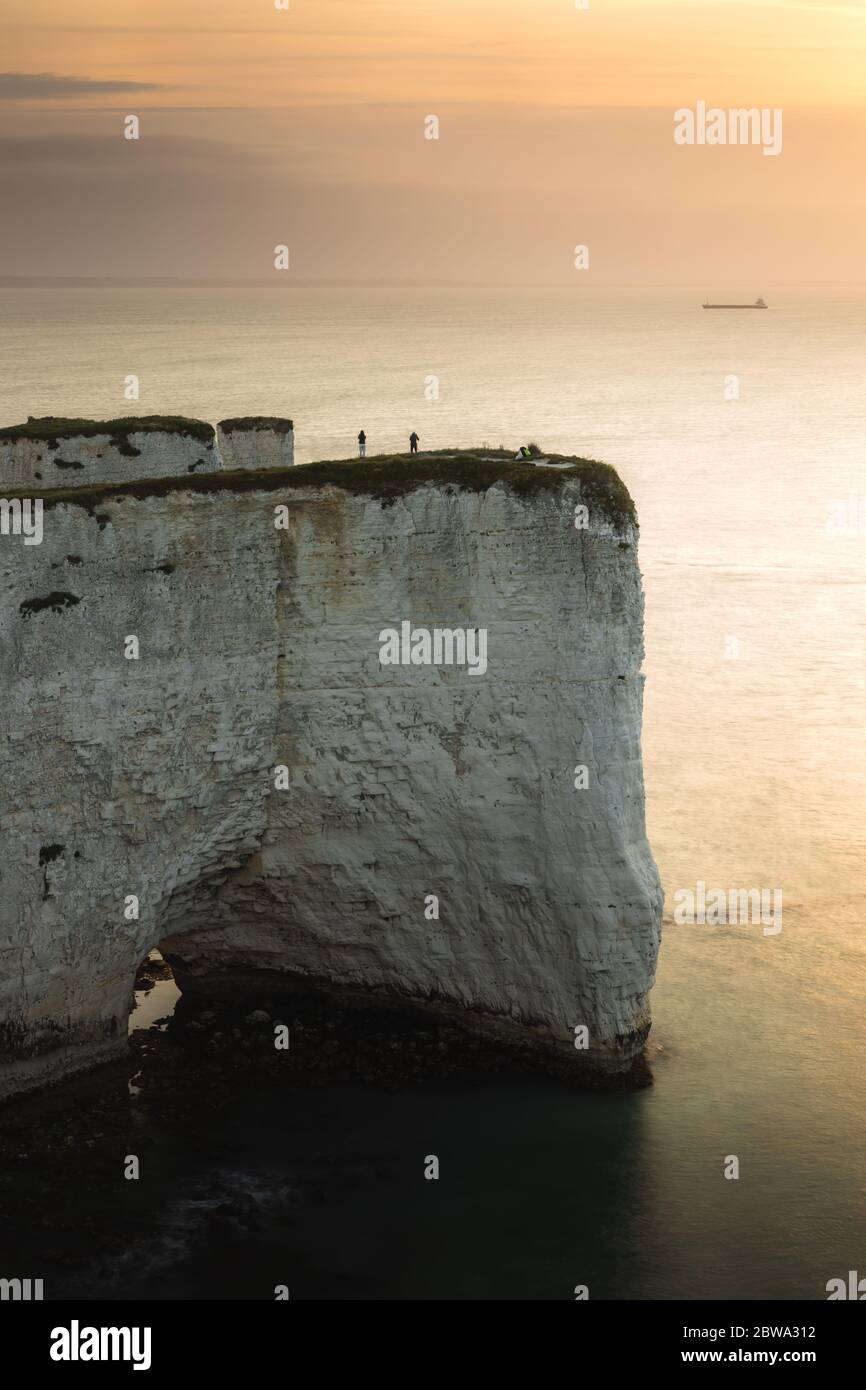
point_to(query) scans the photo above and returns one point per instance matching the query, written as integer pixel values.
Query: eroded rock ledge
(259, 648)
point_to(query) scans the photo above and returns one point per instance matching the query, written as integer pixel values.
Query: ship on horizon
(758, 304)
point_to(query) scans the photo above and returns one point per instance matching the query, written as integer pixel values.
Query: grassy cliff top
(50, 428)
(53, 427)
(384, 478)
(256, 422)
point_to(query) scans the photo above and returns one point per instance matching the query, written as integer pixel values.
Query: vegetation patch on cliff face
(256, 422)
(384, 479)
(56, 601)
(51, 429)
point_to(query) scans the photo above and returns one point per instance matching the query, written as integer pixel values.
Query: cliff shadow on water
(254, 1170)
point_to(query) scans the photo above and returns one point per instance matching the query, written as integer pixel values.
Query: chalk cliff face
(46, 453)
(159, 778)
(256, 443)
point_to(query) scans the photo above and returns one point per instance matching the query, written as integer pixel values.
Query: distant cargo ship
(758, 304)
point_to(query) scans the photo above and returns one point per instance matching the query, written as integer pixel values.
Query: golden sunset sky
(305, 126)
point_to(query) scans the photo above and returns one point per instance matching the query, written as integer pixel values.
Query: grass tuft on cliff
(256, 422)
(384, 478)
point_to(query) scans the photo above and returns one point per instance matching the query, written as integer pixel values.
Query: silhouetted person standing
(362, 445)
(413, 443)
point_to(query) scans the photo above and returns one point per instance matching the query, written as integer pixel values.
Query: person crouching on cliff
(413, 443)
(362, 445)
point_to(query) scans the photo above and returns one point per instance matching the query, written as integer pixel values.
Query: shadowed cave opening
(191, 1027)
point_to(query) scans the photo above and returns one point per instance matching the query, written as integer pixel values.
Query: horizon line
(245, 282)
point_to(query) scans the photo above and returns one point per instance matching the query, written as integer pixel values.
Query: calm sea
(755, 754)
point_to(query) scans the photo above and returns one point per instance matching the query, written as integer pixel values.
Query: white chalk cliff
(60, 454)
(258, 648)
